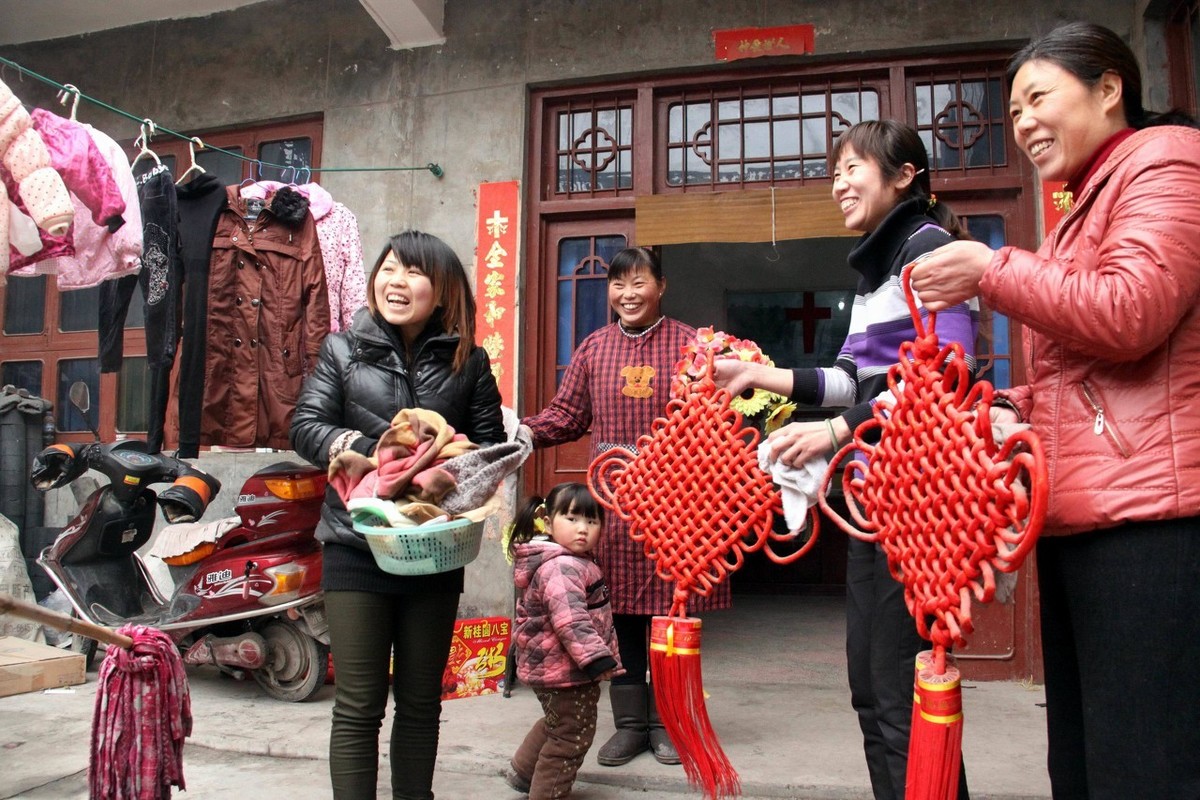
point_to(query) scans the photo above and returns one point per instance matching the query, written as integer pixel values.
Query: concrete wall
(462, 104)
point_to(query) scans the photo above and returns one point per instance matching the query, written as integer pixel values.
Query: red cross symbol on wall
(808, 314)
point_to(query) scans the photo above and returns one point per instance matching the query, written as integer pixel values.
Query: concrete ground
(778, 700)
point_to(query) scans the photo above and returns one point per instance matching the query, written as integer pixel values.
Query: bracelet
(833, 440)
(342, 443)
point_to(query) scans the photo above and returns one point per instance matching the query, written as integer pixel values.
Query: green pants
(366, 629)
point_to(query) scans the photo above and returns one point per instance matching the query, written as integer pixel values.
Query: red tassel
(935, 744)
(679, 693)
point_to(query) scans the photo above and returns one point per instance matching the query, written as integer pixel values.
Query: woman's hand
(734, 375)
(738, 376)
(950, 274)
(794, 444)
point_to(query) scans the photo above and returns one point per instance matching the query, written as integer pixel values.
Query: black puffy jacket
(360, 382)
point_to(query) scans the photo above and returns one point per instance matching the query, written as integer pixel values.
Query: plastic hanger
(255, 166)
(70, 92)
(144, 142)
(193, 143)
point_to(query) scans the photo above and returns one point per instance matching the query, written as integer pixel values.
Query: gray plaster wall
(463, 104)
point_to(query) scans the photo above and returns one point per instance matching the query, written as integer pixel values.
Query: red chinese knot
(947, 503)
(694, 494)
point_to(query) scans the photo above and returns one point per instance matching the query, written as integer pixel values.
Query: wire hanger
(255, 167)
(70, 93)
(193, 143)
(143, 141)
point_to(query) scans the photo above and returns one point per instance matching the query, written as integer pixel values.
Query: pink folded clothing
(406, 462)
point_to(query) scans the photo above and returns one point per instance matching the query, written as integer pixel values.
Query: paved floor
(777, 698)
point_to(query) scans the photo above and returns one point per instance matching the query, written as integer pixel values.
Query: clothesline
(149, 128)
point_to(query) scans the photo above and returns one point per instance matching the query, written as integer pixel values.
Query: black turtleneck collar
(876, 251)
(199, 186)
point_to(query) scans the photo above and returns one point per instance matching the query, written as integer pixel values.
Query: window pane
(582, 290)
(293, 153)
(133, 395)
(993, 351)
(759, 139)
(25, 305)
(69, 371)
(25, 375)
(227, 168)
(79, 310)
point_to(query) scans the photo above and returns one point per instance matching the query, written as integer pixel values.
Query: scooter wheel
(296, 662)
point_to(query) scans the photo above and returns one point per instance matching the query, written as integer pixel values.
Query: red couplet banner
(496, 281)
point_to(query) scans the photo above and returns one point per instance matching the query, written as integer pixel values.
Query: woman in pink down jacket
(1112, 350)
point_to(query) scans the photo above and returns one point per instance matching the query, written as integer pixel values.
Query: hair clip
(540, 522)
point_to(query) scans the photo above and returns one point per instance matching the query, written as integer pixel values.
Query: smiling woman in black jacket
(412, 347)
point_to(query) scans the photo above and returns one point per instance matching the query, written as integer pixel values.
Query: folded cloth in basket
(406, 460)
(478, 474)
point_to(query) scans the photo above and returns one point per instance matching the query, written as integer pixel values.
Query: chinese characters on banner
(478, 657)
(496, 282)
(788, 40)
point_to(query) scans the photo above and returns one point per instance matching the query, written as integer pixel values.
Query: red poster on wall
(478, 657)
(496, 281)
(1055, 204)
(786, 40)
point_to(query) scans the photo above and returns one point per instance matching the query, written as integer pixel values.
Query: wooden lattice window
(777, 133)
(594, 148)
(962, 120)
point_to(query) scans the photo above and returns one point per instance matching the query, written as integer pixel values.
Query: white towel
(798, 486)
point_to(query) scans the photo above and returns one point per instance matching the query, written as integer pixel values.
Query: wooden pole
(62, 622)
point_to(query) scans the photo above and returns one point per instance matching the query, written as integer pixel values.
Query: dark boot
(629, 715)
(660, 743)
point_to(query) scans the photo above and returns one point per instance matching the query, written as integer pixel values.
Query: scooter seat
(188, 542)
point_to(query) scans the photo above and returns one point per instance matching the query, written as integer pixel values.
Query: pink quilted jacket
(27, 163)
(1111, 305)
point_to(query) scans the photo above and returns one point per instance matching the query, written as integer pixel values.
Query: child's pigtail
(529, 521)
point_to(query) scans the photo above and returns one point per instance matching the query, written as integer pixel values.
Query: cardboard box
(30, 667)
(478, 657)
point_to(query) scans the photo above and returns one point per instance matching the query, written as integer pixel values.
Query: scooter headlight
(288, 581)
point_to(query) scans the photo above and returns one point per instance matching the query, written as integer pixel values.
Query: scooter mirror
(80, 396)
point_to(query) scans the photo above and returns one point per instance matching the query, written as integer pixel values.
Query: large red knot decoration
(950, 507)
(697, 500)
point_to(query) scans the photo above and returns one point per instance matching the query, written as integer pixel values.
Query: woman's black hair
(632, 258)
(566, 498)
(1087, 51)
(891, 145)
(451, 289)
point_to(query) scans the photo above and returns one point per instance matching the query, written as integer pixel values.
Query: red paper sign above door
(786, 40)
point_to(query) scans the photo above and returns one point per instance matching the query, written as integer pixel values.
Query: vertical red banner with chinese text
(496, 281)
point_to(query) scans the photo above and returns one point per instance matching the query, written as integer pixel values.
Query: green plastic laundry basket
(424, 549)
